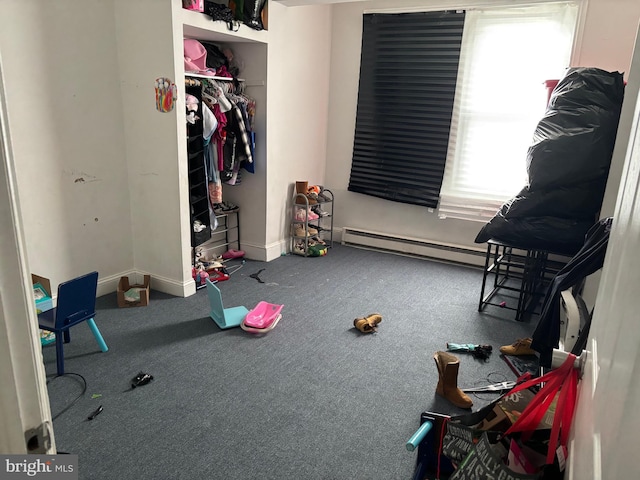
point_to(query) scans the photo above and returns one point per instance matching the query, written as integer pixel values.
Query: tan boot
(368, 324)
(448, 365)
(374, 319)
(522, 346)
(363, 325)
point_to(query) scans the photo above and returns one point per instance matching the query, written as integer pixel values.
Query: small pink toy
(263, 318)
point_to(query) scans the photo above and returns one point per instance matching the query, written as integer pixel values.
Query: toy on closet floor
(218, 275)
(263, 318)
(199, 274)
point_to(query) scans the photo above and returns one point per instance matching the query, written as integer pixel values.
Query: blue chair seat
(47, 320)
(224, 317)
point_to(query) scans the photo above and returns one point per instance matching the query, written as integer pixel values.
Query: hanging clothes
(210, 124)
(214, 185)
(588, 260)
(248, 166)
(234, 139)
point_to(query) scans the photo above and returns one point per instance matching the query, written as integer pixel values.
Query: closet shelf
(201, 27)
(215, 77)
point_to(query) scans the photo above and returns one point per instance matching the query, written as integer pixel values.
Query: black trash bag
(567, 164)
(252, 10)
(553, 234)
(575, 200)
(577, 131)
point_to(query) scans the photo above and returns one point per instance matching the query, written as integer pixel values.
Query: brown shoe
(522, 346)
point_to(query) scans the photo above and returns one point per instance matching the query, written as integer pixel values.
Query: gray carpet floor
(312, 399)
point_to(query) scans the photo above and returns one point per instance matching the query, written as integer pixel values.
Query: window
(448, 103)
(507, 54)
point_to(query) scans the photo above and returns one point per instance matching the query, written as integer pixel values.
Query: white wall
(299, 63)
(149, 46)
(606, 42)
(65, 117)
(251, 193)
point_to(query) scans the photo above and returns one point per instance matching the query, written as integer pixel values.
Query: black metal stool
(527, 272)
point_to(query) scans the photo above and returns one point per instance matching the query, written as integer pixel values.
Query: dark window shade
(408, 73)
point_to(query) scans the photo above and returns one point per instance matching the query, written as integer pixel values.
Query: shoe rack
(306, 229)
(226, 235)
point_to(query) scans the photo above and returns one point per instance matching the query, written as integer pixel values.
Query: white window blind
(506, 56)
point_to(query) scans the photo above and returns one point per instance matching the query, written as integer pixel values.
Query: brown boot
(301, 189)
(448, 365)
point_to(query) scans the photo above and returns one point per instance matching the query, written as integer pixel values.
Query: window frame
(483, 4)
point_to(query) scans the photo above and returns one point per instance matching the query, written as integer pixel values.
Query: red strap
(569, 407)
(564, 414)
(523, 378)
(547, 376)
(536, 417)
(533, 413)
(442, 432)
(563, 380)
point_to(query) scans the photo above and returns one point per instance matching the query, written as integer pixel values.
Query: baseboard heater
(413, 247)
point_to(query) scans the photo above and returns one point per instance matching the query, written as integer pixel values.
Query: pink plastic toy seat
(262, 318)
(261, 330)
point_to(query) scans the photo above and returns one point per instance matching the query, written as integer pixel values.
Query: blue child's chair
(224, 317)
(76, 303)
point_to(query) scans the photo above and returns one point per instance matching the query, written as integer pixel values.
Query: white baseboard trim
(170, 286)
(253, 252)
(276, 250)
(107, 285)
(264, 253)
(417, 247)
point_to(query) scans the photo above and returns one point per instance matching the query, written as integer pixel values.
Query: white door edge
(24, 400)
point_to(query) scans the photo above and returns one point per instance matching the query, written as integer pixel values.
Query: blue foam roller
(417, 437)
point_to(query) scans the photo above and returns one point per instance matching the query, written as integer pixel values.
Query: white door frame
(603, 441)
(24, 400)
